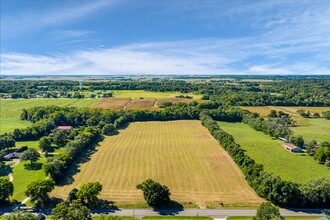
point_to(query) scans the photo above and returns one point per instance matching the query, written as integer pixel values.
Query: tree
(322, 154)
(272, 114)
(299, 141)
(6, 189)
(60, 138)
(108, 129)
(317, 191)
(155, 194)
(72, 195)
(326, 115)
(55, 168)
(316, 115)
(88, 193)
(45, 144)
(71, 211)
(267, 211)
(38, 191)
(30, 154)
(21, 215)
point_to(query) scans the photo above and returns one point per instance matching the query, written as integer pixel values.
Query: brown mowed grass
(292, 110)
(111, 103)
(141, 104)
(180, 154)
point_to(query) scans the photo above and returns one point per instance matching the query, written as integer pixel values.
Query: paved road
(215, 213)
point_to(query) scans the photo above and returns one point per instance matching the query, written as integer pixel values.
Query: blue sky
(165, 37)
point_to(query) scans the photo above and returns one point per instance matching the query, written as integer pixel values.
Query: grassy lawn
(176, 218)
(264, 150)
(121, 217)
(135, 94)
(201, 172)
(318, 129)
(10, 109)
(286, 217)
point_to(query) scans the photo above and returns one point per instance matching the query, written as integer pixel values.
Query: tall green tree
(30, 154)
(71, 211)
(45, 144)
(88, 193)
(155, 194)
(38, 191)
(6, 189)
(267, 211)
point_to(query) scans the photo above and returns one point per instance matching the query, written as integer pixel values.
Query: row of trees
(267, 185)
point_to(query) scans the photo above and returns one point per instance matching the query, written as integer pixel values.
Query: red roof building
(65, 128)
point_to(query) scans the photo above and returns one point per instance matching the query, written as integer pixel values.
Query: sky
(62, 37)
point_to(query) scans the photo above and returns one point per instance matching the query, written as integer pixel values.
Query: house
(283, 139)
(292, 147)
(14, 155)
(64, 128)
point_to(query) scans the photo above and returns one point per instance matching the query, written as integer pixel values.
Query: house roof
(290, 146)
(11, 155)
(64, 127)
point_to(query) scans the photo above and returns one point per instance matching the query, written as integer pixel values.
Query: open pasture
(270, 153)
(180, 154)
(292, 110)
(317, 129)
(11, 109)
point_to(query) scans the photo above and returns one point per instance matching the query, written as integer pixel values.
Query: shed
(14, 155)
(64, 128)
(283, 139)
(292, 147)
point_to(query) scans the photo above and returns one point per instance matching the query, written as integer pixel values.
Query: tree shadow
(171, 208)
(75, 165)
(34, 166)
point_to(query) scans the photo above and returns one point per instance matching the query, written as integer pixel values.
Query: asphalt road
(215, 213)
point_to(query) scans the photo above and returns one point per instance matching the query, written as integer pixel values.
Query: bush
(155, 194)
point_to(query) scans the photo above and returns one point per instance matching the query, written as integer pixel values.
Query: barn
(292, 147)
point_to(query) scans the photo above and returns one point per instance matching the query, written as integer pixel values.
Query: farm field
(111, 103)
(264, 150)
(180, 154)
(318, 129)
(136, 94)
(141, 104)
(11, 109)
(292, 110)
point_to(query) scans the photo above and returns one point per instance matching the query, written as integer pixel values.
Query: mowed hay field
(180, 154)
(292, 110)
(10, 109)
(111, 103)
(270, 153)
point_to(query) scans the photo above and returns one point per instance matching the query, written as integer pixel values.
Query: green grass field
(11, 109)
(318, 129)
(264, 150)
(23, 176)
(135, 94)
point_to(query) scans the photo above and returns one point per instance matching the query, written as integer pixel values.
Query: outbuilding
(292, 147)
(64, 128)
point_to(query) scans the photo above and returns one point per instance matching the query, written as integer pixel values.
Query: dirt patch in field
(111, 103)
(141, 104)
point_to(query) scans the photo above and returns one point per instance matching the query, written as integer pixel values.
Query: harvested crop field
(112, 103)
(180, 154)
(141, 104)
(292, 110)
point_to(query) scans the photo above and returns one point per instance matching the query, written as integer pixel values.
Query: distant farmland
(292, 110)
(181, 154)
(11, 109)
(270, 153)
